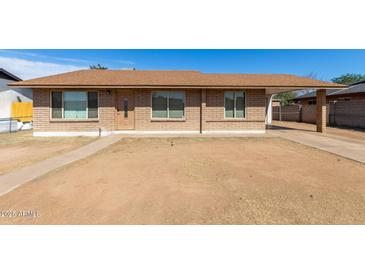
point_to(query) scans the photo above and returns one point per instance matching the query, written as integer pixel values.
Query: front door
(125, 110)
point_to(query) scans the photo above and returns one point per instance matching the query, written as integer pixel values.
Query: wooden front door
(125, 110)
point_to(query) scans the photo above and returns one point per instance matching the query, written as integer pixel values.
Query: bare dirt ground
(197, 181)
(20, 149)
(355, 134)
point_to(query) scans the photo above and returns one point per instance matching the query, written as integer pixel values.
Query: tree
(312, 75)
(98, 66)
(285, 97)
(348, 78)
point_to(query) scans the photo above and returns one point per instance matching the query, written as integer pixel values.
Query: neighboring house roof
(9, 96)
(312, 94)
(155, 78)
(356, 83)
(4, 74)
(358, 88)
(354, 88)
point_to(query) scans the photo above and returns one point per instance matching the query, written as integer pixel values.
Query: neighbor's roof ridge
(16, 78)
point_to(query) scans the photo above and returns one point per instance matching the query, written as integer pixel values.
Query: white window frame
(234, 108)
(168, 106)
(63, 110)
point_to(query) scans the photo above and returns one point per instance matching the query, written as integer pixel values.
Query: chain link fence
(14, 124)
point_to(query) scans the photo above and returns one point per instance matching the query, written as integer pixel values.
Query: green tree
(285, 97)
(348, 78)
(98, 66)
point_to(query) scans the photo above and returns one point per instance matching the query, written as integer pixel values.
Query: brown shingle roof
(155, 78)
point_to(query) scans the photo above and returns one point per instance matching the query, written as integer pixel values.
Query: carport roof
(170, 78)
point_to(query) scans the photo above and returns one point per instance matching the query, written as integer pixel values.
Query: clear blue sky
(325, 64)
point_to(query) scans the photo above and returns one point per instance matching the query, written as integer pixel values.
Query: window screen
(56, 105)
(176, 105)
(74, 104)
(92, 104)
(229, 104)
(159, 105)
(234, 104)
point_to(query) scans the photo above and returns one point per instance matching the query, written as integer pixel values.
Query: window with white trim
(74, 105)
(234, 104)
(168, 105)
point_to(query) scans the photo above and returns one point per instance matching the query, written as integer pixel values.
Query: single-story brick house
(93, 102)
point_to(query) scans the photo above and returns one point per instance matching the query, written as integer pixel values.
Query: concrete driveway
(346, 143)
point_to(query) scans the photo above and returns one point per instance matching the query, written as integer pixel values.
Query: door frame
(118, 96)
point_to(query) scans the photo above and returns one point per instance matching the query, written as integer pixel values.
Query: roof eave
(15, 85)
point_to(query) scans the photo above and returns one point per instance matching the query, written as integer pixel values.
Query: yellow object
(22, 111)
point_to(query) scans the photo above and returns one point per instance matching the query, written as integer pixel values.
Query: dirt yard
(355, 134)
(196, 181)
(19, 149)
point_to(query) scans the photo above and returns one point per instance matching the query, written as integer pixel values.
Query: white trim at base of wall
(133, 132)
(67, 133)
(234, 131)
(155, 132)
(107, 133)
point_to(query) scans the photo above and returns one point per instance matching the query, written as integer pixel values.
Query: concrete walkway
(345, 147)
(14, 179)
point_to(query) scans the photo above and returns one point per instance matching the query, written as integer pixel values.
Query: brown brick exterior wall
(298, 113)
(309, 114)
(212, 113)
(321, 110)
(348, 113)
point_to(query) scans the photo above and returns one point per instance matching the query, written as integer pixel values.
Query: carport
(320, 102)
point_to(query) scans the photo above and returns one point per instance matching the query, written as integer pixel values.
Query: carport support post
(269, 109)
(321, 110)
(203, 104)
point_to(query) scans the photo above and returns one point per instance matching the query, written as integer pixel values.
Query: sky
(323, 64)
